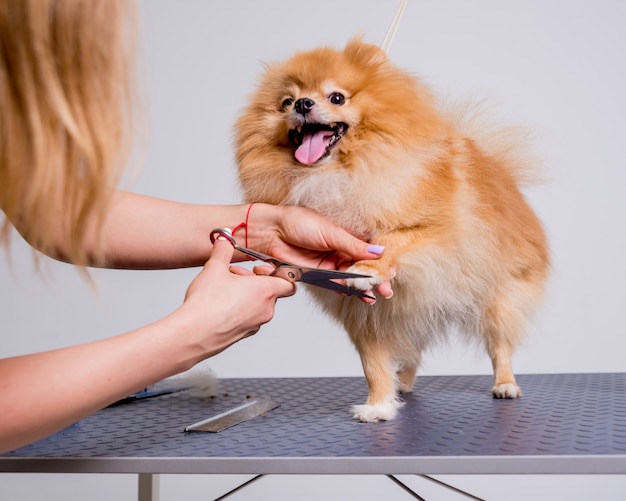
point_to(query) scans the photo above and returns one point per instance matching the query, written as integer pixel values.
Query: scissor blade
(329, 284)
(312, 274)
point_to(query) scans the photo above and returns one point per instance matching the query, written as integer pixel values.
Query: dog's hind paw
(367, 413)
(506, 390)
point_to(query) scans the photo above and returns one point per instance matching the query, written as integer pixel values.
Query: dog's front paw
(506, 390)
(366, 283)
(385, 411)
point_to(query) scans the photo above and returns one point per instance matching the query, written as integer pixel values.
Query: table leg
(451, 487)
(405, 487)
(148, 487)
(245, 484)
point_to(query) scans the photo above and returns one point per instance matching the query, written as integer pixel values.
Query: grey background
(556, 67)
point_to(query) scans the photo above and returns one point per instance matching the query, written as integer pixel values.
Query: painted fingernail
(375, 249)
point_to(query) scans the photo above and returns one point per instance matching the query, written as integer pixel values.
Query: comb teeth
(234, 416)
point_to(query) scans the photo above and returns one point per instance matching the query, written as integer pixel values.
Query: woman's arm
(142, 232)
(45, 392)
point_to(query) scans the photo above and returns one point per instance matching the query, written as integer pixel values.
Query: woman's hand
(226, 304)
(304, 237)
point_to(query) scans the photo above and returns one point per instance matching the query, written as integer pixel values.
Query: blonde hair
(66, 116)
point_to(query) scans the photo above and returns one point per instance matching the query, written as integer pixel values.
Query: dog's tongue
(313, 146)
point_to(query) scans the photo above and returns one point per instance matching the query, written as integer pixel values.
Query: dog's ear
(364, 53)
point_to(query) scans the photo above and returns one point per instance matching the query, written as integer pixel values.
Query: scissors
(294, 273)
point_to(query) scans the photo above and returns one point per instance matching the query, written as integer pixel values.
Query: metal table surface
(564, 423)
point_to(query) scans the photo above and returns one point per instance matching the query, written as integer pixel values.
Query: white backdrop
(554, 66)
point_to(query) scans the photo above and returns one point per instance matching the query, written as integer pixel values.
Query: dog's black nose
(304, 105)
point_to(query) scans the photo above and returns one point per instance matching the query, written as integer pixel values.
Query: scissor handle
(228, 235)
(223, 232)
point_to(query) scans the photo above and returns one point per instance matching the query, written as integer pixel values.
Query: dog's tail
(512, 145)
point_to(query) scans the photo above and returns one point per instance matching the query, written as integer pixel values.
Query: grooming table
(564, 424)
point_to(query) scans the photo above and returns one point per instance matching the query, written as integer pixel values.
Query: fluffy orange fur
(463, 249)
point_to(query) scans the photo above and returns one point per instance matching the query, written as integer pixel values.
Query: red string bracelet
(244, 224)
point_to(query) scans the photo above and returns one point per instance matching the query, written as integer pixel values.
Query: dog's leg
(504, 385)
(503, 329)
(382, 403)
(406, 377)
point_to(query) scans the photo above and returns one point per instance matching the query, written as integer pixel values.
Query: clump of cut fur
(352, 136)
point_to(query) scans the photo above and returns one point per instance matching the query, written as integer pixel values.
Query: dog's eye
(287, 102)
(337, 98)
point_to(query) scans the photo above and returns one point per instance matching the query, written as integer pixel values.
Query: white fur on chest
(358, 197)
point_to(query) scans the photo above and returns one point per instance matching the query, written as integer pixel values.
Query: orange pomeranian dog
(352, 136)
